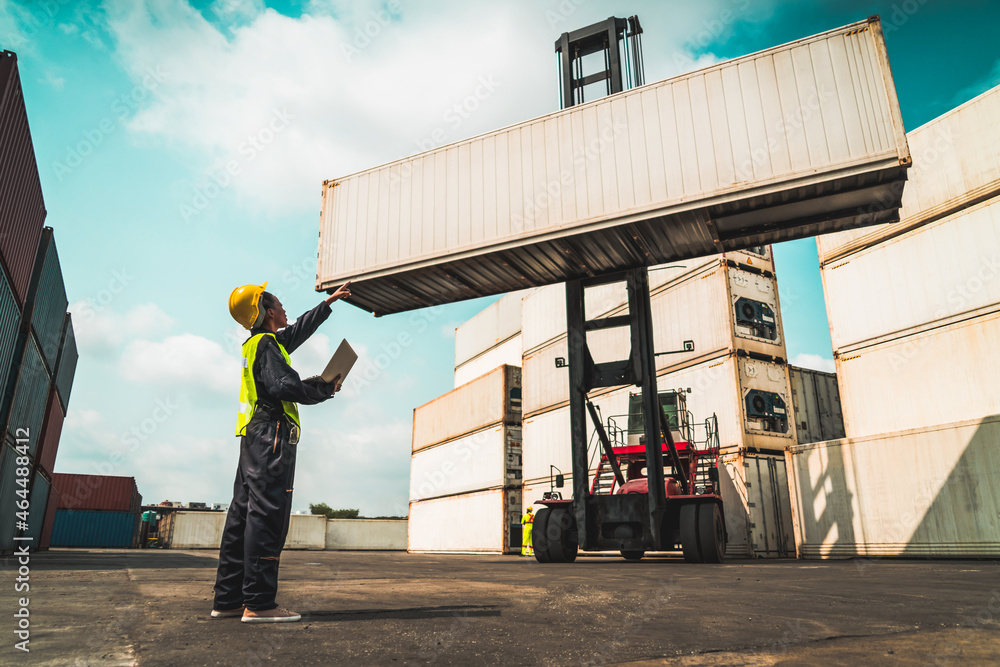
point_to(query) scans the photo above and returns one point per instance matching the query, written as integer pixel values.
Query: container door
(769, 507)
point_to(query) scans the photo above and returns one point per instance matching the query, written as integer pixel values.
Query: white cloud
(185, 360)
(101, 330)
(80, 419)
(313, 355)
(815, 362)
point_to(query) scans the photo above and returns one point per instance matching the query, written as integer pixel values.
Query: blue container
(49, 309)
(94, 528)
(8, 491)
(30, 393)
(66, 368)
(10, 329)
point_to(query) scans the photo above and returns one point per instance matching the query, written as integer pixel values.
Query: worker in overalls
(526, 522)
(268, 428)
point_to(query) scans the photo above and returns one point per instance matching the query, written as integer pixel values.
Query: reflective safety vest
(527, 519)
(248, 388)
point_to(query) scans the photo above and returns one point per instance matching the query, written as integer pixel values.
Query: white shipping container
(480, 460)
(816, 405)
(482, 522)
(494, 398)
(941, 272)
(508, 353)
(954, 164)
(492, 326)
(755, 498)
(705, 307)
(192, 530)
(788, 142)
(923, 492)
(945, 375)
(365, 535)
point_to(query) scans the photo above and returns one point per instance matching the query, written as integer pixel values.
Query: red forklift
(668, 495)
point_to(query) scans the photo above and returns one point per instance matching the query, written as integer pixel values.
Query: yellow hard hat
(243, 305)
(529, 509)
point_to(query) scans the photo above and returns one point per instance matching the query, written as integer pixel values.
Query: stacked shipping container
(96, 511)
(465, 470)
(914, 311)
(35, 348)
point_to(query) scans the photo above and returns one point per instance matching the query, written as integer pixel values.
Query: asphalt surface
(151, 608)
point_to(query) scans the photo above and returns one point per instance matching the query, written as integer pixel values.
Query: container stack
(727, 305)
(37, 348)
(97, 511)
(914, 310)
(490, 339)
(465, 470)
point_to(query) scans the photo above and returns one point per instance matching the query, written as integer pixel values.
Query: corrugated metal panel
(481, 460)
(365, 535)
(32, 388)
(508, 353)
(941, 272)
(39, 503)
(8, 488)
(941, 376)
(45, 540)
(68, 358)
(816, 404)
(95, 529)
(923, 492)
(97, 492)
(21, 203)
(306, 531)
(192, 530)
(490, 523)
(49, 446)
(10, 329)
(494, 325)
(494, 398)
(954, 165)
(669, 171)
(49, 310)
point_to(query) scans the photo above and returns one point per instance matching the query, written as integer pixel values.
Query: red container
(49, 445)
(97, 492)
(21, 205)
(50, 519)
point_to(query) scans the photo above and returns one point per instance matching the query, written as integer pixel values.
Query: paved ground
(151, 608)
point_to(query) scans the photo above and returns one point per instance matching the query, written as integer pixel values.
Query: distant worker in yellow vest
(268, 428)
(527, 549)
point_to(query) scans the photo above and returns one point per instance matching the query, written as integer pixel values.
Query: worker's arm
(280, 381)
(292, 336)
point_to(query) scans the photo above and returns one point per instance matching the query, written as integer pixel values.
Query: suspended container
(482, 522)
(925, 492)
(21, 194)
(95, 529)
(816, 405)
(494, 398)
(954, 166)
(789, 142)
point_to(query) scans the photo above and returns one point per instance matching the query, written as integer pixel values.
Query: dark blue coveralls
(257, 523)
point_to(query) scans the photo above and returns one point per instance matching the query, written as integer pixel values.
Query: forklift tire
(559, 525)
(689, 532)
(540, 535)
(711, 533)
(633, 555)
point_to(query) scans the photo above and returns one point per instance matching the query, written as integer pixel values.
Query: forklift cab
(673, 403)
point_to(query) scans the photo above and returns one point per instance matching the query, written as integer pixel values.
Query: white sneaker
(227, 613)
(276, 615)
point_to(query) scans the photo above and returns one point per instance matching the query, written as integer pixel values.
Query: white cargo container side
(491, 399)
(941, 376)
(192, 530)
(490, 523)
(754, 490)
(954, 165)
(481, 460)
(508, 353)
(366, 535)
(492, 326)
(919, 492)
(939, 273)
(816, 405)
(853, 148)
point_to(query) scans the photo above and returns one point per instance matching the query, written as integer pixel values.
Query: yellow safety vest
(248, 388)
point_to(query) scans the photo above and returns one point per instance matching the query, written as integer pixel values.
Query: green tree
(330, 513)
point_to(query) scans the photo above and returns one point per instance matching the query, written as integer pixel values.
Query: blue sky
(136, 108)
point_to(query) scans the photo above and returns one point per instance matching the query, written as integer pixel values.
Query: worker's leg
(268, 510)
(229, 580)
(529, 545)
